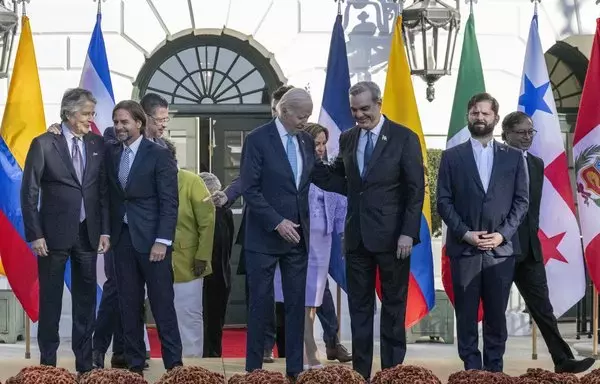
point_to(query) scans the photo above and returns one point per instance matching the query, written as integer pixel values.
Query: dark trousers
(360, 274)
(487, 278)
(260, 269)
(328, 319)
(530, 278)
(216, 296)
(108, 320)
(51, 271)
(133, 271)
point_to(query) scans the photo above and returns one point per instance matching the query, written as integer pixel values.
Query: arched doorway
(218, 87)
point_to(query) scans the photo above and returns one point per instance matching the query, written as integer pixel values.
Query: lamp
(430, 28)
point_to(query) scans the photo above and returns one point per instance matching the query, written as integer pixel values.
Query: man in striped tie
(277, 160)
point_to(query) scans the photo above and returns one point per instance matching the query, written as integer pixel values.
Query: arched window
(566, 67)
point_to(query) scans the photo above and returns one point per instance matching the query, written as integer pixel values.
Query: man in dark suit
(530, 272)
(71, 223)
(156, 108)
(277, 161)
(482, 196)
(144, 201)
(380, 168)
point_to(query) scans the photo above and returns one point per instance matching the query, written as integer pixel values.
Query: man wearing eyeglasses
(156, 108)
(530, 273)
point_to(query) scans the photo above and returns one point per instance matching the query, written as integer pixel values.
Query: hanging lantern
(9, 20)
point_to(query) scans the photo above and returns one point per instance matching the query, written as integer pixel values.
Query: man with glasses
(156, 108)
(530, 273)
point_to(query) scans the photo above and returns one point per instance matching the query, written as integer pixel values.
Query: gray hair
(366, 86)
(73, 100)
(212, 182)
(293, 98)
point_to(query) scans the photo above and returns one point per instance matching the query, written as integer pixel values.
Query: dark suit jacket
(388, 202)
(223, 241)
(464, 205)
(150, 197)
(49, 168)
(528, 230)
(269, 189)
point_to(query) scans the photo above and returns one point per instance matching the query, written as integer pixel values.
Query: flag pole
(27, 337)
(595, 324)
(534, 354)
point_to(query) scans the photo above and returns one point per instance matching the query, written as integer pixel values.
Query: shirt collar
(375, 131)
(67, 133)
(477, 144)
(135, 145)
(280, 128)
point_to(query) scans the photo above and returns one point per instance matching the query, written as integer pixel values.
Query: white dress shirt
(283, 134)
(135, 146)
(484, 158)
(362, 143)
(69, 137)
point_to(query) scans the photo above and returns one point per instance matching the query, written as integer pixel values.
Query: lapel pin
(95, 154)
(384, 137)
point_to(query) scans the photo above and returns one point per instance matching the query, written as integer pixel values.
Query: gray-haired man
(70, 223)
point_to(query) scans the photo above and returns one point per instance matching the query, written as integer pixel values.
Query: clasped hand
(483, 240)
(287, 230)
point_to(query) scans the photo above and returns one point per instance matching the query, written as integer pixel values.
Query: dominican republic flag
(559, 233)
(96, 79)
(336, 117)
(586, 151)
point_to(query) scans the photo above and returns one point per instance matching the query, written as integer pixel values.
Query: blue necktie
(124, 172)
(368, 152)
(290, 148)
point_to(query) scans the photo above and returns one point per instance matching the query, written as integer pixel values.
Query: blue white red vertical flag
(96, 79)
(336, 117)
(559, 232)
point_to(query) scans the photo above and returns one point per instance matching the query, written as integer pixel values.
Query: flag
(468, 83)
(400, 106)
(586, 151)
(336, 117)
(95, 77)
(23, 120)
(559, 232)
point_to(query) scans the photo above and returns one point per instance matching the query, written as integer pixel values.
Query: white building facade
(217, 61)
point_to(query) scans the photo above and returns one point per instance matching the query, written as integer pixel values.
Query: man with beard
(530, 273)
(482, 196)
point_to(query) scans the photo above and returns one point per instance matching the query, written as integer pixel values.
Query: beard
(482, 130)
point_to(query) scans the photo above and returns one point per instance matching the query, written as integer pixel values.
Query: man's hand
(490, 241)
(55, 128)
(39, 247)
(473, 237)
(199, 267)
(219, 198)
(405, 244)
(158, 252)
(104, 244)
(287, 230)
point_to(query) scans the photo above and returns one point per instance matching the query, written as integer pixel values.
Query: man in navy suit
(277, 160)
(482, 196)
(144, 201)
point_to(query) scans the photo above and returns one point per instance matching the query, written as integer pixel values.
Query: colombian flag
(400, 106)
(23, 120)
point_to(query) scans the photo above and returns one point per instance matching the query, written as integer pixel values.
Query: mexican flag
(469, 82)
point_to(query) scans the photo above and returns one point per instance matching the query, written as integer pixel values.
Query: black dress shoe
(339, 352)
(118, 361)
(292, 379)
(268, 357)
(574, 366)
(137, 371)
(97, 360)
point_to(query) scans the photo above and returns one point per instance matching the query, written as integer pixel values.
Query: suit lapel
(60, 143)
(116, 158)
(466, 153)
(355, 136)
(89, 142)
(499, 152)
(138, 160)
(305, 160)
(379, 146)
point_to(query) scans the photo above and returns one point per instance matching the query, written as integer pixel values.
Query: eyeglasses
(164, 120)
(88, 114)
(530, 132)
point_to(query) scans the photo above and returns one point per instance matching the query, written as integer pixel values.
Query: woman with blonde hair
(327, 214)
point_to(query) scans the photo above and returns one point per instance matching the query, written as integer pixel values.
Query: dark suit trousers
(133, 271)
(216, 296)
(360, 274)
(51, 271)
(530, 278)
(108, 320)
(487, 278)
(260, 269)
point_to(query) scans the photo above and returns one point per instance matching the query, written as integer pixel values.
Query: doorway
(214, 143)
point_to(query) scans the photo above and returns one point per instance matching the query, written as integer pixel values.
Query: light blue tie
(124, 171)
(368, 153)
(290, 148)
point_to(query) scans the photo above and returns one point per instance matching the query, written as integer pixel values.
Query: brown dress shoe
(339, 353)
